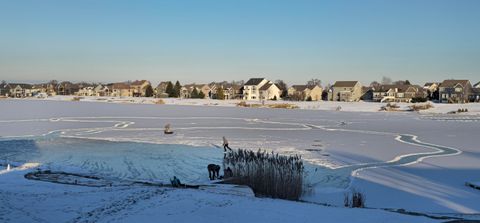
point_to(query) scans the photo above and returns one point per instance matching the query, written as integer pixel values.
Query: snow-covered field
(399, 160)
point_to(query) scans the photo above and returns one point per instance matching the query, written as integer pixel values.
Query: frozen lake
(417, 162)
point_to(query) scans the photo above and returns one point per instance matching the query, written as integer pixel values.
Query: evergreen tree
(201, 95)
(407, 82)
(176, 89)
(194, 93)
(220, 94)
(169, 89)
(149, 91)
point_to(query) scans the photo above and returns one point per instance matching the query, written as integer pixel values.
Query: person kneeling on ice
(225, 145)
(167, 130)
(213, 171)
(176, 182)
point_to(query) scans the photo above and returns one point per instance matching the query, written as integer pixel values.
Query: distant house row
(448, 91)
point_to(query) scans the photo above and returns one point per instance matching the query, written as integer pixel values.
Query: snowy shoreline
(438, 108)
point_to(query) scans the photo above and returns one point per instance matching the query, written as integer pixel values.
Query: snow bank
(474, 108)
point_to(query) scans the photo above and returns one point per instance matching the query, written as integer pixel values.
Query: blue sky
(201, 41)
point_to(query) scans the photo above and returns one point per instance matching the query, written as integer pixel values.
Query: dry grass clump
(354, 200)
(390, 107)
(76, 98)
(284, 105)
(420, 107)
(243, 104)
(159, 102)
(268, 174)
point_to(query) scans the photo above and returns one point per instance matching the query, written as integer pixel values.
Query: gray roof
(399, 87)
(266, 87)
(254, 81)
(300, 87)
(22, 85)
(452, 83)
(345, 83)
(477, 85)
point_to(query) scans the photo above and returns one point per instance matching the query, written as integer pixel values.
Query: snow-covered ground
(400, 160)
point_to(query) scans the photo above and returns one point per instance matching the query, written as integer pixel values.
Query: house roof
(121, 86)
(428, 84)
(254, 81)
(299, 87)
(139, 82)
(477, 85)
(366, 89)
(5, 86)
(452, 83)
(345, 83)
(399, 87)
(23, 86)
(267, 86)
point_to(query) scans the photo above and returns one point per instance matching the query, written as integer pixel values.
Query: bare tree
(375, 84)
(400, 82)
(386, 80)
(314, 82)
(283, 86)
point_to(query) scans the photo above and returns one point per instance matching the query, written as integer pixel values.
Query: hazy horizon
(206, 41)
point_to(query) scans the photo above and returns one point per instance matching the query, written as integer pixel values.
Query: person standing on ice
(225, 145)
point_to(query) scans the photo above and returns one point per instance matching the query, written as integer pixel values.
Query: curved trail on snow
(340, 177)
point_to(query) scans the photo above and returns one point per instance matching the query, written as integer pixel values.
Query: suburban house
(398, 93)
(270, 91)
(67, 88)
(204, 88)
(455, 91)
(232, 91)
(121, 90)
(251, 89)
(161, 90)
(186, 90)
(212, 90)
(475, 97)
(345, 91)
(477, 85)
(139, 88)
(102, 90)
(87, 91)
(4, 89)
(431, 88)
(38, 89)
(49, 89)
(18, 90)
(367, 93)
(305, 92)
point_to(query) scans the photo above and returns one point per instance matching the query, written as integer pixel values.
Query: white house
(270, 91)
(251, 89)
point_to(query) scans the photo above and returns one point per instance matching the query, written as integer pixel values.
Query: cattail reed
(268, 174)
